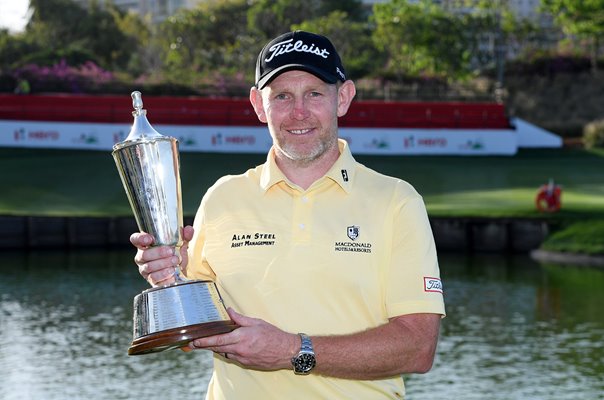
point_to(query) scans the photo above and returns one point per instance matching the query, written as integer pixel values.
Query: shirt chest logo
(253, 239)
(353, 232)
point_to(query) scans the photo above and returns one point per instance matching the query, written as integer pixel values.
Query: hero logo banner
(353, 232)
(432, 284)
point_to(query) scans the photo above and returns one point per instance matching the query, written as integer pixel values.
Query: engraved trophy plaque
(170, 316)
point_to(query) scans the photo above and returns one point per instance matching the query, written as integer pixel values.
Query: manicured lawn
(503, 186)
(67, 182)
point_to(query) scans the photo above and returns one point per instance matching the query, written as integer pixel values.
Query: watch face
(304, 363)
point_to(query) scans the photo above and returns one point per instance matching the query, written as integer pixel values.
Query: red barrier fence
(238, 112)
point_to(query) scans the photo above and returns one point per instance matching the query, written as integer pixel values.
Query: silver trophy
(169, 316)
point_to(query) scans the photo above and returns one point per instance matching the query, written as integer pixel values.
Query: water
(66, 325)
(518, 330)
(515, 330)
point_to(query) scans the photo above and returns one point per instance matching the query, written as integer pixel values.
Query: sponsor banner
(102, 136)
(390, 141)
(63, 135)
(245, 139)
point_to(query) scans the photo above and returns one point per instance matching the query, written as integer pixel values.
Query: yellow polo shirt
(345, 255)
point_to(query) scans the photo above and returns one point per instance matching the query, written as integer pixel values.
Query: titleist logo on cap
(299, 50)
(287, 47)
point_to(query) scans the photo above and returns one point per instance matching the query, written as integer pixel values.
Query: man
(331, 266)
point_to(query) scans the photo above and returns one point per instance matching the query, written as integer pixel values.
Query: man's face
(301, 111)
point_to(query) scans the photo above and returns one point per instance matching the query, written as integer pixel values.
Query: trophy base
(178, 337)
(170, 317)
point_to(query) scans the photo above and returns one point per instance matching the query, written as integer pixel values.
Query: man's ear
(346, 93)
(256, 100)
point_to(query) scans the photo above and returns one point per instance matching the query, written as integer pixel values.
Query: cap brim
(324, 76)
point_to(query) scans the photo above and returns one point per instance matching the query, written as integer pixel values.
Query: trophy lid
(141, 130)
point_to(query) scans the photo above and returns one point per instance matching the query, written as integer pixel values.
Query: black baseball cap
(299, 50)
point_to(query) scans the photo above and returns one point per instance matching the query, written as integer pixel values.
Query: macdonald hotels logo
(353, 232)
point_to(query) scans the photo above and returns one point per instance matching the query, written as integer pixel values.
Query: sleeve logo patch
(433, 285)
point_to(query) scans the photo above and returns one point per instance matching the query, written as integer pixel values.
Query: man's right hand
(157, 264)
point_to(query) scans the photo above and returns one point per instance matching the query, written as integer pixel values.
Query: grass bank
(86, 183)
(586, 237)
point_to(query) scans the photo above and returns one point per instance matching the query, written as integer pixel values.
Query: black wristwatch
(305, 360)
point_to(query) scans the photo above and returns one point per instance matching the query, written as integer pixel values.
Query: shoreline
(492, 235)
(451, 234)
(567, 258)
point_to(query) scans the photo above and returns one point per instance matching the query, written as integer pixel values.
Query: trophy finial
(137, 102)
(141, 130)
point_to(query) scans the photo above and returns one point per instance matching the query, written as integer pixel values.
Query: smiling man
(342, 295)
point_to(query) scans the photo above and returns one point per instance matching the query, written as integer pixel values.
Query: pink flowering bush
(63, 77)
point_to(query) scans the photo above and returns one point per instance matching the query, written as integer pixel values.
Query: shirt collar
(342, 171)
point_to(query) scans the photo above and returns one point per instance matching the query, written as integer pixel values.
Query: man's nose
(300, 109)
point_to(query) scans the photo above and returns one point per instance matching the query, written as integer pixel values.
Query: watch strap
(305, 360)
(306, 343)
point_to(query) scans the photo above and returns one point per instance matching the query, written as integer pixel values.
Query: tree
(144, 55)
(352, 39)
(421, 38)
(197, 45)
(354, 9)
(584, 19)
(54, 23)
(63, 26)
(269, 18)
(12, 49)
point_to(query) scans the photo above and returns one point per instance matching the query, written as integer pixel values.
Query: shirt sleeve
(413, 283)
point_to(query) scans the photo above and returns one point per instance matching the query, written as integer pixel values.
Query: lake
(515, 329)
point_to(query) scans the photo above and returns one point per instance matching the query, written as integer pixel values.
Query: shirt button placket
(302, 218)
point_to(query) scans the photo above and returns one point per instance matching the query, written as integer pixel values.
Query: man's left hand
(255, 344)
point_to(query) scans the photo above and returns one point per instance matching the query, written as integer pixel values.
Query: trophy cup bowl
(170, 316)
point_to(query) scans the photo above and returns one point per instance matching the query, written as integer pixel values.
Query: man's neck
(304, 174)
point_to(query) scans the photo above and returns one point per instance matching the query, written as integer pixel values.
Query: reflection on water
(517, 330)
(514, 330)
(65, 327)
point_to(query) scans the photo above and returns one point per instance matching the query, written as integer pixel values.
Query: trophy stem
(178, 272)
(178, 275)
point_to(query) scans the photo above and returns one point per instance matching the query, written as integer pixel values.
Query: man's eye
(315, 94)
